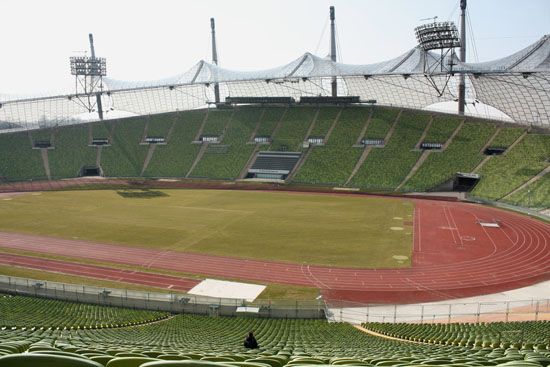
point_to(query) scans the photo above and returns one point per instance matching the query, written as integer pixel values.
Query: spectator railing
(176, 302)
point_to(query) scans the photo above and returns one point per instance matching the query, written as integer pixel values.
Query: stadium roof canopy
(518, 85)
(534, 58)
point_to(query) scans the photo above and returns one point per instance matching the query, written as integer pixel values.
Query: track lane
(100, 272)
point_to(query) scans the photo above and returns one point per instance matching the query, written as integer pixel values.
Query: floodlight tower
(462, 81)
(442, 36)
(333, 49)
(89, 73)
(215, 58)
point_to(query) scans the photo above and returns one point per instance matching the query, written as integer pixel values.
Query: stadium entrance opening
(460, 182)
(90, 171)
(272, 165)
(465, 182)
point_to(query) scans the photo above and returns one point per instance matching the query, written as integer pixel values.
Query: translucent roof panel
(517, 84)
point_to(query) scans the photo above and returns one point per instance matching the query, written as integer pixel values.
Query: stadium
(335, 210)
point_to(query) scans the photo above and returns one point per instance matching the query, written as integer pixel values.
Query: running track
(453, 256)
(101, 272)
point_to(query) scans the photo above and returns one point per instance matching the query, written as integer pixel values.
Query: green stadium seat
(184, 364)
(248, 364)
(57, 352)
(45, 360)
(217, 359)
(153, 353)
(129, 361)
(130, 354)
(102, 359)
(173, 357)
(273, 362)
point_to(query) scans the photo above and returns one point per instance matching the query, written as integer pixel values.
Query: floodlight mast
(333, 49)
(215, 59)
(462, 81)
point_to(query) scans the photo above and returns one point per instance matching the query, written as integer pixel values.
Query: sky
(148, 40)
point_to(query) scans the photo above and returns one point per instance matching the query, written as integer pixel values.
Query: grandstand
(385, 168)
(332, 163)
(176, 157)
(123, 337)
(396, 163)
(228, 162)
(462, 154)
(515, 335)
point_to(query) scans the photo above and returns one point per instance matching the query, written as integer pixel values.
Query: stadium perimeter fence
(442, 312)
(503, 204)
(173, 302)
(355, 313)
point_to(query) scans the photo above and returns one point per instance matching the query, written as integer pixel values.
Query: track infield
(346, 231)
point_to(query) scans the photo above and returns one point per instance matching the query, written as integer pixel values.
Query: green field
(294, 227)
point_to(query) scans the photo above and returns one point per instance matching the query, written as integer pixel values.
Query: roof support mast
(215, 59)
(92, 50)
(462, 82)
(333, 49)
(98, 95)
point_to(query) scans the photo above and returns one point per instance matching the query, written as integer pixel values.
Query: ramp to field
(225, 289)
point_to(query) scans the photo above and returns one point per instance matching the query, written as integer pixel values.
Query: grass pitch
(334, 230)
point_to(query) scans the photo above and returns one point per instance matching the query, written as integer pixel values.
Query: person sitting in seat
(250, 341)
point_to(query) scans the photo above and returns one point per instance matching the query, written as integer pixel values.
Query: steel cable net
(518, 85)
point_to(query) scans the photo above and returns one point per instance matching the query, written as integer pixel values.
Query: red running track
(100, 272)
(453, 257)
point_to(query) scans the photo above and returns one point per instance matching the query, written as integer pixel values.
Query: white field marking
(317, 280)
(211, 209)
(309, 277)
(396, 228)
(495, 248)
(448, 209)
(451, 228)
(454, 223)
(400, 257)
(416, 220)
